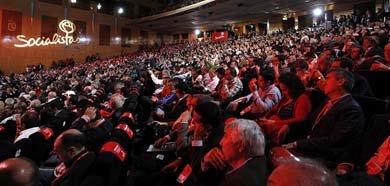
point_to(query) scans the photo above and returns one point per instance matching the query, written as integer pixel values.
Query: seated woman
(294, 106)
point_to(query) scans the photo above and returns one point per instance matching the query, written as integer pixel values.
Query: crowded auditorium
(195, 92)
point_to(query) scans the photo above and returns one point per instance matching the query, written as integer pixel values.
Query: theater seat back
(378, 130)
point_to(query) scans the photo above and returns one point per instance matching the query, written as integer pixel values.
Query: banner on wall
(11, 24)
(219, 36)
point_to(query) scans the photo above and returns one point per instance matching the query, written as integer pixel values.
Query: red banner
(11, 23)
(219, 36)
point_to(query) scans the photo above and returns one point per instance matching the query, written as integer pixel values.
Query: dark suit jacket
(176, 110)
(96, 136)
(78, 171)
(194, 156)
(63, 120)
(332, 138)
(361, 86)
(252, 173)
(7, 150)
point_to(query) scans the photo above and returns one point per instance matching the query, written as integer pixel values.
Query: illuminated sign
(66, 26)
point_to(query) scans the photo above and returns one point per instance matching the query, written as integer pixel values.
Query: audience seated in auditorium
(121, 88)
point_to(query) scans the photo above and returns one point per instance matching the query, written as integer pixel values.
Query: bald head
(302, 173)
(19, 172)
(69, 144)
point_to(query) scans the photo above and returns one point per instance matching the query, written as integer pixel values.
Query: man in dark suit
(77, 162)
(62, 118)
(180, 105)
(332, 130)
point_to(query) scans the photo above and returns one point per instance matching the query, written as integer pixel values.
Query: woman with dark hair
(294, 106)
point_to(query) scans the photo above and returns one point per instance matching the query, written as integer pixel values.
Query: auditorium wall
(16, 59)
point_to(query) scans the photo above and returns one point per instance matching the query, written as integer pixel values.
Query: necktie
(324, 110)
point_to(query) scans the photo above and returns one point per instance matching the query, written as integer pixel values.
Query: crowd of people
(288, 108)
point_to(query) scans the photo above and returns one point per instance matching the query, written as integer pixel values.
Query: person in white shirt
(264, 94)
(212, 83)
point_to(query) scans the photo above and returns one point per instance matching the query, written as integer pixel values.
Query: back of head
(293, 83)
(117, 101)
(345, 63)
(30, 120)
(19, 172)
(210, 112)
(304, 172)
(73, 138)
(220, 71)
(268, 75)
(232, 71)
(202, 98)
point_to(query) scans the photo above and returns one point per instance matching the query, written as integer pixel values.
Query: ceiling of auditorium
(223, 12)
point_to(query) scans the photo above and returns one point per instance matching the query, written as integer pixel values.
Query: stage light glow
(317, 12)
(120, 10)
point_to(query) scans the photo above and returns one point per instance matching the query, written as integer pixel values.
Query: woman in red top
(294, 106)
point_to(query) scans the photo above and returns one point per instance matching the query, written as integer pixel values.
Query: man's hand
(252, 86)
(158, 143)
(154, 99)
(172, 166)
(214, 158)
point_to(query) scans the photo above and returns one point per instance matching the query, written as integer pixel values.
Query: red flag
(219, 36)
(11, 23)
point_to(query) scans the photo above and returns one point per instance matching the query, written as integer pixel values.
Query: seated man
(263, 97)
(76, 160)
(243, 147)
(231, 87)
(332, 130)
(301, 173)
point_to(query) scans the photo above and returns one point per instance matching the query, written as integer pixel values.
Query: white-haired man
(241, 155)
